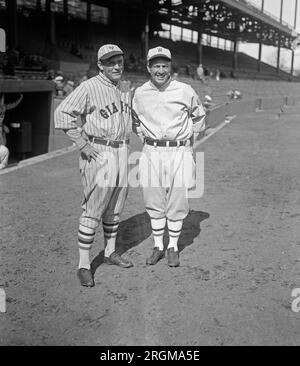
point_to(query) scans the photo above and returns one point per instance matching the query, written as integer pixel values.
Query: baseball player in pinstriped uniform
(167, 114)
(103, 102)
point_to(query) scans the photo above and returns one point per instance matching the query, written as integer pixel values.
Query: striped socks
(110, 230)
(174, 233)
(85, 240)
(158, 229)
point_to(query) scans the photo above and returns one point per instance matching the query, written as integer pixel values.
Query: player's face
(160, 71)
(112, 68)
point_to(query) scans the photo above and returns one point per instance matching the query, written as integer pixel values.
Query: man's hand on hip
(90, 152)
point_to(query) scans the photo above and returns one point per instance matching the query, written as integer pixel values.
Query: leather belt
(111, 143)
(166, 143)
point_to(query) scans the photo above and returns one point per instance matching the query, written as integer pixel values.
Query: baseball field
(239, 252)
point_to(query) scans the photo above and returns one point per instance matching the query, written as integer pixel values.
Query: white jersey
(173, 112)
(104, 109)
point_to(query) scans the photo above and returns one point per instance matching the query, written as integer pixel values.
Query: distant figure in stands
(206, 73)
(50, 74)
(10, 62)
(200, 73)
(83, 78)
(59, 86)
(69, 87)
(75, 51)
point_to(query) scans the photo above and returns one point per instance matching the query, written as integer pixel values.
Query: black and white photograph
(149, 175)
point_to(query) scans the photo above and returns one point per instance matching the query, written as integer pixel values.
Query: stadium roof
(229, 19)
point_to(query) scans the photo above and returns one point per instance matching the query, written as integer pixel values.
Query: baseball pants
(105, 185)
(166, 174)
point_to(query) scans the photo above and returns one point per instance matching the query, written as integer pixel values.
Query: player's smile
(160, 71)
(113, 68)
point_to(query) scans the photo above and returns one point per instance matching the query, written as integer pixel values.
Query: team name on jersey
(112, 109)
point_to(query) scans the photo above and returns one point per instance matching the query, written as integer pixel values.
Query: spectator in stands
(50, 74)
(59, 85)
(200, 73)
(175, 70)
(69, 87)
(10, 62)
(132, 58)
(206, 72)
(75, 51)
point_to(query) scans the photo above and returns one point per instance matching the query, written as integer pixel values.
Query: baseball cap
(109, 50)
(158, 52)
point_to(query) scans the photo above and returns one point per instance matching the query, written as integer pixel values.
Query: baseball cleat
(85, 277)
(155, 256)
(173, 258)
(117, 260)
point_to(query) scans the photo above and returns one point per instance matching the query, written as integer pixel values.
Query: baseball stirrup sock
(85, 240)
(174, 228)
(158, 229)
(110, 230)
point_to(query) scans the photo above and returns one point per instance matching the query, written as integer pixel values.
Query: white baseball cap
(158, 52)
(109, 50)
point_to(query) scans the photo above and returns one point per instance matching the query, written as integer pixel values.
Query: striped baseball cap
(158, 52)
(109, 50)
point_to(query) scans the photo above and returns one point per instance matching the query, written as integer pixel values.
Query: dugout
(30, 121)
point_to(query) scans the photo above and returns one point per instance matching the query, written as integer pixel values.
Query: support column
(12, 24)
(295, 25)
(50, 16)
(181, 30)
(88, 12)
(66, 10)
(199, 42)
(146, 33)
(278, 53)
(38, 6)
(260, 42)
(235, 56)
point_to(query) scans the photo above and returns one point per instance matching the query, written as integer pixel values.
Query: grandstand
(65, 35)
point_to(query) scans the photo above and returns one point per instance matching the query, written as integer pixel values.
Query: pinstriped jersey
(172, 112)
(105, 110)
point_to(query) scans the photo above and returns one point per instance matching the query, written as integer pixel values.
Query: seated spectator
(10, 62)
(4, 155)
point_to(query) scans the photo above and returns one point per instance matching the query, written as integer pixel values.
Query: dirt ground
(239, 252)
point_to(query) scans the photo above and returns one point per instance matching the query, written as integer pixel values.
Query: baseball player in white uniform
(167, 114)
(103, 102)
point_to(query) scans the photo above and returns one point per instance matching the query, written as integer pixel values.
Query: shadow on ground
(136, 229)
